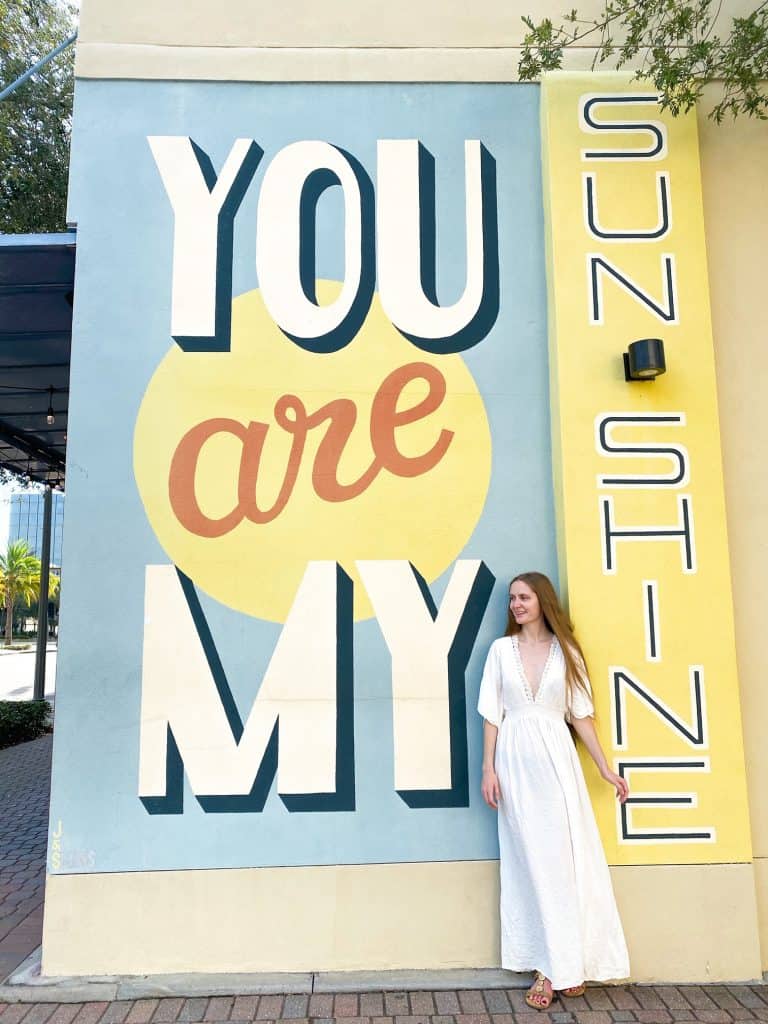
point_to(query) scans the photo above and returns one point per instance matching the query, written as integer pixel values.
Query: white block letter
(405, 234)
(430, 650)
(185, 699)
(285, 233)
(204, 208)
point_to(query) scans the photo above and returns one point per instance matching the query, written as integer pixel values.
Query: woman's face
(524, 603)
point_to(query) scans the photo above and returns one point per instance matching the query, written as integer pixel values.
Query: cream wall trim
(683, 923)
(426, 23)
(336, 23)
(284, 64)
(377, 917)
(254, 40)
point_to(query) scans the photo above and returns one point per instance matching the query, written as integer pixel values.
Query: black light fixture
(51, 418)
(644, 359)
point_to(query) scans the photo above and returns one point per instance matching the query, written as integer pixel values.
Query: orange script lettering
(291, 416)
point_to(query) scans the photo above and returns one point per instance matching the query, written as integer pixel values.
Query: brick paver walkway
(645, 1004)
(25, 778)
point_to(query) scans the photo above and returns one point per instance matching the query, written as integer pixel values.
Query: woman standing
(558, 913)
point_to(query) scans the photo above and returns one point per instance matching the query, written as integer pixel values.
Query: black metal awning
(37, 279)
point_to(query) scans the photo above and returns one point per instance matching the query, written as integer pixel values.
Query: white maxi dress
(558, 912)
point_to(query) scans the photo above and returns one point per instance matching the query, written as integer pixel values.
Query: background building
(26, 522)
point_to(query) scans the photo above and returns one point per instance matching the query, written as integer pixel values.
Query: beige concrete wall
(683, 923)
(241, 40)
(433, 40)
(335, 23)
(386, 916)
(734, 160)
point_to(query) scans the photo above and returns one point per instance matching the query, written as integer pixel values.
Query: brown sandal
(537, 995)
(573, 991)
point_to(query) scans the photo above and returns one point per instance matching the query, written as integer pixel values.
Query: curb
(27, 985)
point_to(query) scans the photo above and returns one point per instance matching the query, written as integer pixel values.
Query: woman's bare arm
(585, 729)
(490, 784)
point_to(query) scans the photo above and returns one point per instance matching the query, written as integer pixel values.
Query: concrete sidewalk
(17, 673)
(24, 794)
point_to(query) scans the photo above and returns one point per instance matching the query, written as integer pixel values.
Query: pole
(36, 67)
(38, 693)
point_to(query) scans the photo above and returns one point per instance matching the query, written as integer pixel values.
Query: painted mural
(325, 449)
(330, 435)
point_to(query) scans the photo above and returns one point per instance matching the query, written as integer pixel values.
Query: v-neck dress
(558, 912)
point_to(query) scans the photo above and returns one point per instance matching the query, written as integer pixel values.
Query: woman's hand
(585, 728)
(620, 784)
(489, 787)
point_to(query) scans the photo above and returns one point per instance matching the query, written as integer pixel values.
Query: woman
(558, 913)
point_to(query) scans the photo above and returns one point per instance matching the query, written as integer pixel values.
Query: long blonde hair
(557, 622)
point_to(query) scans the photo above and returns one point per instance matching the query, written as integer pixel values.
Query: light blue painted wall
(121, 332)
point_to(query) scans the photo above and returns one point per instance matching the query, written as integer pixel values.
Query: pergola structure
(37, 276)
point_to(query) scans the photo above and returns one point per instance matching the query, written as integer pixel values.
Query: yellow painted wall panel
(630, 515)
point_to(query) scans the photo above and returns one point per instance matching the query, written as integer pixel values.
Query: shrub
(22, 720)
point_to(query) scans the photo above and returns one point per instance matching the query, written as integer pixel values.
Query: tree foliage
(20, 581)
(672, 43)
(35, 120)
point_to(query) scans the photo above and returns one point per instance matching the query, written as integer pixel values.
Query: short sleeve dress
(558, 912)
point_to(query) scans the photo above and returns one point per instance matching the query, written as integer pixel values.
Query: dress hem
(602, 977)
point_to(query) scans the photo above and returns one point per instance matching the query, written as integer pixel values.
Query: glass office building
(26, 523)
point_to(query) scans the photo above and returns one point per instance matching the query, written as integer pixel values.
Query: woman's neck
(534, 632)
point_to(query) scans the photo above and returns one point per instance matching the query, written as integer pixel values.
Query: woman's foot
(573, 991)
(540, 994)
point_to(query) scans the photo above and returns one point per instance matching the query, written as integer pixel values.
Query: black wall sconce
(644, 359)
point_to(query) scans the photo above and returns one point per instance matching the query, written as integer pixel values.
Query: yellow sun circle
(217, 433)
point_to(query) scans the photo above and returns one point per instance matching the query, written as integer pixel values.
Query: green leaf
(674, 43)
(35, 120)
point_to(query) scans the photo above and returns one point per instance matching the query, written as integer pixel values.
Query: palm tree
(20, 581)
